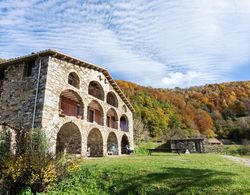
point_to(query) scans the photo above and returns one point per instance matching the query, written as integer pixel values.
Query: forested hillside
(221, 110)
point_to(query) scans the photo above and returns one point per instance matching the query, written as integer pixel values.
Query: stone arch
(112, 99)
(69, 139)
(95, 143)
(95, 89)
(71, 104)
(112, 144)
(112, 119)
(124, 123)
(124, 144)
(73, 79)
(95, 113)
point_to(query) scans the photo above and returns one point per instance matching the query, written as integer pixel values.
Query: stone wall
(18, 99)
(57, 82)
(18, 96)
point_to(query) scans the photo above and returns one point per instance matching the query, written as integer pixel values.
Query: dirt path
(239, 160)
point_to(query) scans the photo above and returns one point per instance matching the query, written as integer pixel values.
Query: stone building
(79, 106)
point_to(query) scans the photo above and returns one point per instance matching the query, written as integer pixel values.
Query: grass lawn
(158, 174)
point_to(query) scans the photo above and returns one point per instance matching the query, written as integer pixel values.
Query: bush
(228, 149)
(244, 150)
(29, 164)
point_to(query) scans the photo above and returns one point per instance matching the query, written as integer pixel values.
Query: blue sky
(160, 43)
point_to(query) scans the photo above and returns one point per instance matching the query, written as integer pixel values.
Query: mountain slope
(213, 110)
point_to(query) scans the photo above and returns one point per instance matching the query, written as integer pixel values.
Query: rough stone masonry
(79, 106)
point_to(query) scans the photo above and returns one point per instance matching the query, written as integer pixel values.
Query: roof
(188, 139)
(75, 61)
(213, 140)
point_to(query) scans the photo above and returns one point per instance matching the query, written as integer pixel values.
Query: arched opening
(112, 119)
(74, 80)
(124, 123)
(96, 90)
(71, 104)
(95, 113)
(112, 99)
(112, 144)
(69, 139)
(124, 145)
(95, 143)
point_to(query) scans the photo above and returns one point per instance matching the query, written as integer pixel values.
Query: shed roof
(188, 139)
(73, 60)
(213, 141)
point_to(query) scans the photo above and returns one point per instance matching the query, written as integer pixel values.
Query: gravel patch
(239, 160)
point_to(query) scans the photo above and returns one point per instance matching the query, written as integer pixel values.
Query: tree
(2, 60)
(140, 131)
(198, 108)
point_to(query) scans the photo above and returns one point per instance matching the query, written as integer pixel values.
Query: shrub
(229, 149)
(29, 164)
(244, 150)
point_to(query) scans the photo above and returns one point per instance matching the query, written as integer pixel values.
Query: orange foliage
(199, 107)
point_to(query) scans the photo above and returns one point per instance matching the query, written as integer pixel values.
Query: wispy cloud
(159, 43)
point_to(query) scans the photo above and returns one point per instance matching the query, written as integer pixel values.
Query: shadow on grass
(165, 154)
(174, 181)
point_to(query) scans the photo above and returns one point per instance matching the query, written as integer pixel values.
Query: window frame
(29, 68)
(2, 74)
(73, 80)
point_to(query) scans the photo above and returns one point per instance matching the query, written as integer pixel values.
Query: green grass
(158, 174)
(246, 156)
(142, 147)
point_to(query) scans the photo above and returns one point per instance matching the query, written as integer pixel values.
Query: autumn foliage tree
(204, 109)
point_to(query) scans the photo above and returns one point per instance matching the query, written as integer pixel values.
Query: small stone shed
(194, 145)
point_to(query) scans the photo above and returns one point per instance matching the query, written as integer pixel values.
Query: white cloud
(148, 42)
(174, 79)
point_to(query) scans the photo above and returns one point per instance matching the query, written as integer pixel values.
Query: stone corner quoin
(79, 106)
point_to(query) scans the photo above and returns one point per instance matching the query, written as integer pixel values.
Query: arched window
(112, 119)
(112, 99)
(74, 80)
(71, 104)
(95, 113)
(95, 89)
(124, 123)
